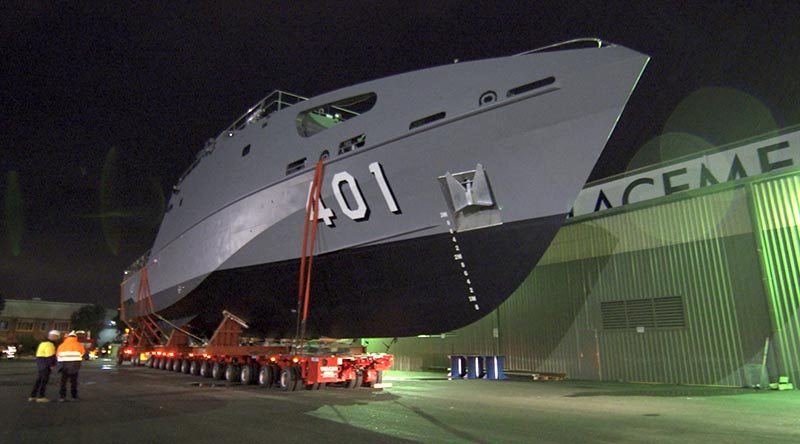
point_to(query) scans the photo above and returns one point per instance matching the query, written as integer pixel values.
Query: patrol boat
(441, 190)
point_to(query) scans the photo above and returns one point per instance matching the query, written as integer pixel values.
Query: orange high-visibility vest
(70, 350)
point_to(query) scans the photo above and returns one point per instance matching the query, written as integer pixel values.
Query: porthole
(487, 98)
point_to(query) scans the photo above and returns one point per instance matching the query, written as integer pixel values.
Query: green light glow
(777, 210)
(14, 213)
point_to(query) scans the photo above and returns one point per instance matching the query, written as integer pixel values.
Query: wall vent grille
(666, 312)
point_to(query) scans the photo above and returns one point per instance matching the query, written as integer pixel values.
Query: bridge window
(320, 118)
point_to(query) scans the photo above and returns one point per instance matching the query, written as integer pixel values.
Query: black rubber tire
(287, 380)
(194, 368)
(218, 371)
(170, 364)
(356, 382)
(186, 366)
(314, 386)
(276, 372)
(177, 365)
(150, 361)
(378, 378)
(248, 374)
(133, 361)
(233, 373)
(266, 376)
(205, 369)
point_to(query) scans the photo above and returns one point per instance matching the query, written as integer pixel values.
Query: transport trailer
(226, 356)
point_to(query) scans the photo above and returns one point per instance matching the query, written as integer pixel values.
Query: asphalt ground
(141, 405)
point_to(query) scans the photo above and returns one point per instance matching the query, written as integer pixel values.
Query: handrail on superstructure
(600, 43)
(274, 101)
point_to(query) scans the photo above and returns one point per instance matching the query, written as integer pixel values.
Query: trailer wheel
(186, 366)
(194, 368)
(357, 381)
(232, 373)
(276, 372)
(149, 362)
(266, 376)
(378, 378)
(288, 379)
(314, 386)
(218, 370)
(177, 365)
(205, 369)
(248, 374)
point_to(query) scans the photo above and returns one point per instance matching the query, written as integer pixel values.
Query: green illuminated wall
(732, 252)
(776, 205)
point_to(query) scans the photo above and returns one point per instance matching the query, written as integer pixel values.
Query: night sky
(104, 104)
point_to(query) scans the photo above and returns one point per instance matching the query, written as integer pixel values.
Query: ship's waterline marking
(459, 257)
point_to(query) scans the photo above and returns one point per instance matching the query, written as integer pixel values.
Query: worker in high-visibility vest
(69, 355)
(45, 359)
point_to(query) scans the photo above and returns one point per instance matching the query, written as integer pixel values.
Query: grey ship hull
(426, 265)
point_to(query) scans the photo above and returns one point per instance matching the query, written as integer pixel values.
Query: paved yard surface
(141, 405)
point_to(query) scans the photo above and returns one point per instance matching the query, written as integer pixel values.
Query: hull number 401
(355, 208)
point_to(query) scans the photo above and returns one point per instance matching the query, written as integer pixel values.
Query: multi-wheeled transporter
(228, 356)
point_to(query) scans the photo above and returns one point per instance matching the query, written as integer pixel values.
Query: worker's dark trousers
(69, 370)
(41, 383)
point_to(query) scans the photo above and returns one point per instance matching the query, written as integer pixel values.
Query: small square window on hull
(297, 165)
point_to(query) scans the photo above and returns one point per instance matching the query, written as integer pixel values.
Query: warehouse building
(683, 272)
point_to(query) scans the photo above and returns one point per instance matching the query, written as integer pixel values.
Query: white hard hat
(55, 333)
(72, 333)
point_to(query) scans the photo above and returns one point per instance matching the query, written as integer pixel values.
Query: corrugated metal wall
(700, 246)
(776, 205)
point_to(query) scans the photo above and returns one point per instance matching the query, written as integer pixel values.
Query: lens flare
(666, 147)
(721, 115)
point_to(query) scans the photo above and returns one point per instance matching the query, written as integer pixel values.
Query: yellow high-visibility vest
(45, 349)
